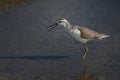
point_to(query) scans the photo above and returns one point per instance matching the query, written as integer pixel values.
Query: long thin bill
(51, 27)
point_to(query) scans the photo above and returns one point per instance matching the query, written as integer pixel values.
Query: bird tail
(103, 36)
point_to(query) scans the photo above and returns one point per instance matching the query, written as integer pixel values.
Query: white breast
(75, 33)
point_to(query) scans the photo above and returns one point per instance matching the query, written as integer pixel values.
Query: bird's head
(62, 22)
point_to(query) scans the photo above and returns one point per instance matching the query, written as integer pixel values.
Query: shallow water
(29, 52)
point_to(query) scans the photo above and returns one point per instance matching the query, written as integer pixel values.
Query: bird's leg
(84, 57)
(85, 51)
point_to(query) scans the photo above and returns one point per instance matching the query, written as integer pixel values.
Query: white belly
(76, 34)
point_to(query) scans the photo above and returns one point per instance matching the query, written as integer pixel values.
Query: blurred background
(29, 52)
(6, 4)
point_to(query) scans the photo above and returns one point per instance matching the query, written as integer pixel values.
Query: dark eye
(60, 21)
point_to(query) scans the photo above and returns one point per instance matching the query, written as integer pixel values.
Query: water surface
(29, 52)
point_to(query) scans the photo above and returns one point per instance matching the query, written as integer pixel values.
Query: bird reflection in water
(86, 75)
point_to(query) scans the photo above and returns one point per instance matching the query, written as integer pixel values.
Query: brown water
(7, 4)
(29, 52)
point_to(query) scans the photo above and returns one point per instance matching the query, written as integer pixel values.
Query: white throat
(67, 26)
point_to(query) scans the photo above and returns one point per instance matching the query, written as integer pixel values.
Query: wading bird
(79, 33)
